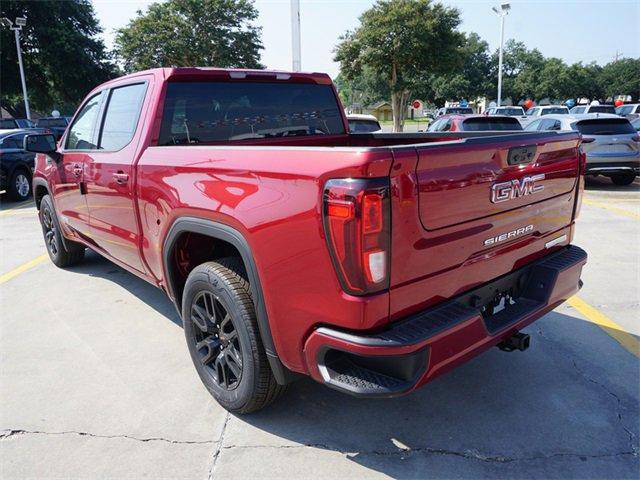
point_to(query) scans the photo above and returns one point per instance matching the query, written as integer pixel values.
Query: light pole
(502, 12)
(295, 36)
(20, 22)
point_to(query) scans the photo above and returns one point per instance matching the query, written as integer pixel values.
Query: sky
(573, 30)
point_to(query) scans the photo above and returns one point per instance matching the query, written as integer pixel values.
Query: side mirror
(40, 143)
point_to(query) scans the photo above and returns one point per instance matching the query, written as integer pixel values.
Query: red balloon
(528, 104)
(618, 102)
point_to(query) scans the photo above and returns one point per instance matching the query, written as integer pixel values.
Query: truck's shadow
(489, 417)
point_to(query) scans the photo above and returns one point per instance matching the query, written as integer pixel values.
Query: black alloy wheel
(50, 231)
(217, 342)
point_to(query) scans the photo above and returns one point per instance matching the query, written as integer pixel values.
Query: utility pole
(502, 12)
(618, 55)
(295, 36)
(20, 22)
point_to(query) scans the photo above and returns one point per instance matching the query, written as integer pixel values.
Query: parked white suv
(537, 112)
(578, 109)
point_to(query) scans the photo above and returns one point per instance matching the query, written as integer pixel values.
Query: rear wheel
(222, 334)
(19, 185)
(622, 179)
(61, 254)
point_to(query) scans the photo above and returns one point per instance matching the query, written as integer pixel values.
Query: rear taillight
(636, 138)
(357, 227)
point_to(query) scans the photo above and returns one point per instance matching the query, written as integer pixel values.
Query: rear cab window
(459, 110)
(219, 112)
(363, 126)
(555, 111)
(7, 123)
(491, 123)
(604, 126)
(52, 122)
(602, 109)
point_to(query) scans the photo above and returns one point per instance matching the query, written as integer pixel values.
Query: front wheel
(60, 254)
(623, 179)
(222, 334)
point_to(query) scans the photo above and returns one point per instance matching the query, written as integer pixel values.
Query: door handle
(121, 177)
(77, 170)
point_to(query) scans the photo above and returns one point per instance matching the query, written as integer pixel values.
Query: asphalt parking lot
(96, 382)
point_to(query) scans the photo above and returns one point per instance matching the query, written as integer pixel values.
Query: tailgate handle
(521, 155)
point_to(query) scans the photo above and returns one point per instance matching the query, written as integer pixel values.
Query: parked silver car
(611, 143)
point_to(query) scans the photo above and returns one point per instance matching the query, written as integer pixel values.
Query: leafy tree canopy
(62, 57)
(215, 33)
(401, 41)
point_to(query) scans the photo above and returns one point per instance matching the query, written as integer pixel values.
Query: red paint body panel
(270, 191)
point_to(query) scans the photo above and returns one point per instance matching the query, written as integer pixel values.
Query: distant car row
(16, 165)
(55, 125)
(612, 143)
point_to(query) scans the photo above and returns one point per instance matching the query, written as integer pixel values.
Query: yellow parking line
(627, 340)
(5, 277)
(620, 211)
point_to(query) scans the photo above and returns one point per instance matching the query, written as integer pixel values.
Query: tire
(623, 179)
(19, 187)
(61, 254)
(221, 330)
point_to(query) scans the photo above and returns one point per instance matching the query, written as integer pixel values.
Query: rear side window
(121, 117)
(604, 126)
(81, 133)
(363, 126)
(491, 123)
(200, 112)
(602, 109)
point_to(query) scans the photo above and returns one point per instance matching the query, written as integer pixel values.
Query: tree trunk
(399, 105)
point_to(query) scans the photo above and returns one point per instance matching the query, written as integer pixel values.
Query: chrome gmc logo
(501, 192)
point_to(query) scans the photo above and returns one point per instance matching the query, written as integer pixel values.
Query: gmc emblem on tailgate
(501, 192)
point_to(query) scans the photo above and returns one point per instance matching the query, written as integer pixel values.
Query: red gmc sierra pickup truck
(371, 262)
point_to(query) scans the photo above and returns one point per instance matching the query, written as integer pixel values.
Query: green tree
(401, 41)
(621, 78)
(472, 80)
(365, 89)
(585, 81)
(62, 57)
(216, 33)
(520, 68)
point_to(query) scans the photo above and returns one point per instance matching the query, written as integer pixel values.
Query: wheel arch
(225, 233)
(40, 189)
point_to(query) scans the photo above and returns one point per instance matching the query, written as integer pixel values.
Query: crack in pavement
(634, 447)
(8, 433)
(468, 454)
(218, 450)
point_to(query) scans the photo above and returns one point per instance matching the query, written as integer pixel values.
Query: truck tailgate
(468, 212)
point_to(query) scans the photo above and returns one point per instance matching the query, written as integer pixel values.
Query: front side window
(201, 112)
(121, 117)
(81, 133)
